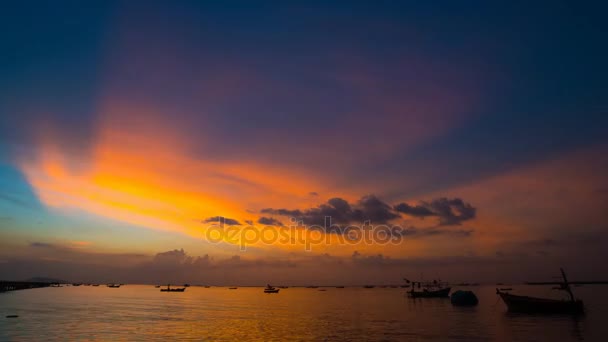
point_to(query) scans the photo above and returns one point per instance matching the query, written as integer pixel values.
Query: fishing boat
(175, 289)
(525, 304)
(434, 289)
(114, 286)
(270, 289)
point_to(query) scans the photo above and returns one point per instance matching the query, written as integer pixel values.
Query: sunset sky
(127, 128)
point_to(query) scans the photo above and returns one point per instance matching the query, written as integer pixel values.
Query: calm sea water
(142, 312)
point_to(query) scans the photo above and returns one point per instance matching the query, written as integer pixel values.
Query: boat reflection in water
(525, 304)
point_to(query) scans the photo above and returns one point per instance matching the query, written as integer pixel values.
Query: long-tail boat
(525, 304)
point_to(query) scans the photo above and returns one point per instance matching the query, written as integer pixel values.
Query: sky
(177, 141)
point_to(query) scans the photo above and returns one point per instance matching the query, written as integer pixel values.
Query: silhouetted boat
(339, 287)
(207, 287)
(368, 286)
(311, 287)
(157, 286)
(525, 304)
(436, 289)
(114, 286)
(232, 288)
(175, 289)
(270, 289)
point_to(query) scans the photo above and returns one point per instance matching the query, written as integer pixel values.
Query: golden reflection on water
(142, 312)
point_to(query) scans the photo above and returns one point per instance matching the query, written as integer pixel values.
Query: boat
(270, 289)
(339, 287)
(232, 288)
(525, 304)
(311, 287)
(114, 286)
(464, 298)
(207, 287)
(435, 289)
(157, 286)
(368, 286)
(175, 289)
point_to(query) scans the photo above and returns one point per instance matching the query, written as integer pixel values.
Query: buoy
(464, 298)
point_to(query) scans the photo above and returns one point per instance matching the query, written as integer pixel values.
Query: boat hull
(271, 291)
(524, 304)
(441, 293)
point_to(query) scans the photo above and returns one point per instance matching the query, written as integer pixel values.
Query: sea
(143, 313)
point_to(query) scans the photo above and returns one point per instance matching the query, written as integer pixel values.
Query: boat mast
(566, 285)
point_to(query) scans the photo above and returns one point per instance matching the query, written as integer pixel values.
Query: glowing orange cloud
(144, 174)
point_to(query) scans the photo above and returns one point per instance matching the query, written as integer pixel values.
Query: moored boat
(175, 289)
(435, 289)
(270, 289)
(525, 304)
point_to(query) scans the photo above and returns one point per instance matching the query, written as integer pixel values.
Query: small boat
(175, 289)
(368, 286)
(157, 286)
(311, 287)
(207, 287)
(232, 288)
(436, 289)
(525, 304)
(114, 286)
(339, 287)
(464, 298)
(270, 289)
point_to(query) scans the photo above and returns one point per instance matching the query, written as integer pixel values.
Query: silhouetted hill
(45, 280)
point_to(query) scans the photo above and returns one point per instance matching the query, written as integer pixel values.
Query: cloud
(221, 219)
(450, 212)
(41, 245)
(368, 208)
(434, 231)
(269, 221)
